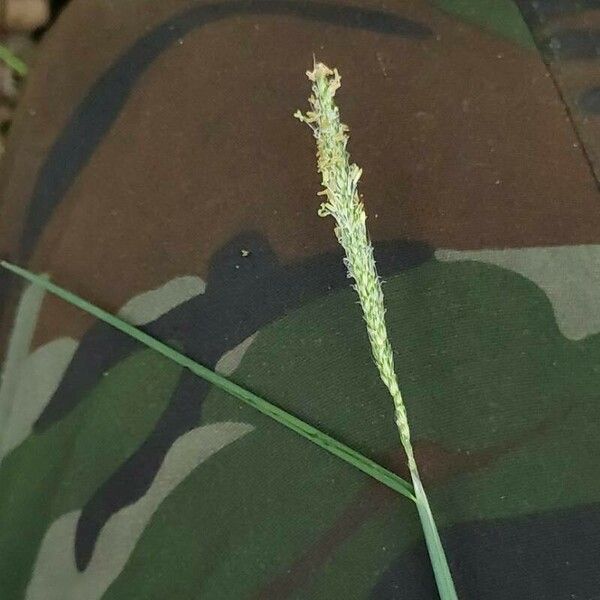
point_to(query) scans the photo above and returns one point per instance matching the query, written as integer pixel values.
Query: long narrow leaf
(302, 428)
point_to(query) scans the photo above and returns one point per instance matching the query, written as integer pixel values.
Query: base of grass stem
(441, 570)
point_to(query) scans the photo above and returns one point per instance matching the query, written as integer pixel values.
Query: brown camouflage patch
(462, 136)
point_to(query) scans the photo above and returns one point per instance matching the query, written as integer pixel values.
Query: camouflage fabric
(568, 35)
(155, 169)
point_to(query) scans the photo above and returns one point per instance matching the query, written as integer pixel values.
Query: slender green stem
(321, 439)
(441, 571)
(342, 202)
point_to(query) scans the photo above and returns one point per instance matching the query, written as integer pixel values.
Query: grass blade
(316, 436)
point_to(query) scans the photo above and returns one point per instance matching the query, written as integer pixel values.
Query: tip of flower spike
(321, 72)
(326, 81)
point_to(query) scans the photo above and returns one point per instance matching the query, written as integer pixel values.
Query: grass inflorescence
(339, 178)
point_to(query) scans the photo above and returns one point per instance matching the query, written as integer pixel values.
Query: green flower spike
(343, 203)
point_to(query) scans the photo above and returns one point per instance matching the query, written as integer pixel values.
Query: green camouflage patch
(485, 377)
(56, 472)
(499, 16)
